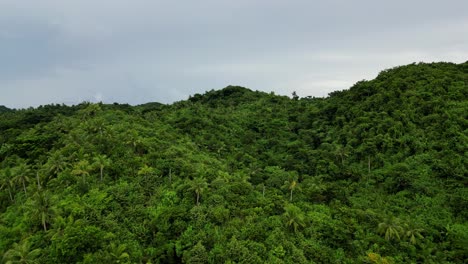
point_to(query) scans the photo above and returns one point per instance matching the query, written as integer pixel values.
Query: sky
(138, 51)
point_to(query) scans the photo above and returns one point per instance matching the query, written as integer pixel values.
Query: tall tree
(291, 185)
(56, 163)
(146, 171)
(196, 255)
(22, 253)
(82, 169)
(413, 233)
(43, 208)
(118, 252)
(391, 228)
(101, 161)
(22, 175)
(294, 217)
(341, 152)
(6, 181)
(198, 185)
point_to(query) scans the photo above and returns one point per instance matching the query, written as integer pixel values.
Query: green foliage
(196, 255)
(198, 185)
(391, 229)
(294, 217)
(373, 174)
(22, 253)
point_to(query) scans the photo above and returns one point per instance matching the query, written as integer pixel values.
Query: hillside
(373, 174)
(4, 109)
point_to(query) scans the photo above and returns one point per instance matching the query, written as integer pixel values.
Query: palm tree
(412, 233)
(146, 171)
(82, 169)
(342, 153)
(263, 187)
(241, 177)
(43, 208)
(291, 185)
(22, 173)
(294, 217)
(6, 181)
(134, 140)
(101, 161)
(60, 224)
(118, 252)
(22, 253)
(98, 126)
(38, 180)
(56, 163)
(198, 185)
(390, 228)
(376, 258)
(90, 111)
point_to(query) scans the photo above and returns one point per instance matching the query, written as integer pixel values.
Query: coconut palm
(294, 217)
(56, 163)
(198, 185)
(390, 228)
(22, 175)
(342, 153)
(118, 252)
(146, 171)
(413, 233)
(6, 182)
(42, 208)
(82, 169)
(60, 224)
(101, 161)
(291, 185)
(22, 253)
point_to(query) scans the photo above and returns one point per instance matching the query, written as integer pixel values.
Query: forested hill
(4, 109)
(373, 174)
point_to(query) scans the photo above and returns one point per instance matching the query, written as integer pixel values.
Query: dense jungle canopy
(373, 174)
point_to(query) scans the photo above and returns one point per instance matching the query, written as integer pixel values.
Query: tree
(6, 181)
(42, 208)
(117, 252)
(294, 217)
(263, 188)
(82, 169)
(22, 175)
(295, 96)
(390, 228)
(101, 161)
(38, 180)
(342, 153)
(56, 163)
(412, 233)
(198, 185)
(376, 258)
(237, 252)
(146, 171)
(60, 224)
(22, 253)
(291, 185)
(196, 255)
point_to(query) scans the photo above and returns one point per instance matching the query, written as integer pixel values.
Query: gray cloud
(139, 51)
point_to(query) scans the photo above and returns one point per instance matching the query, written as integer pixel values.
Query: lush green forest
(373, 174)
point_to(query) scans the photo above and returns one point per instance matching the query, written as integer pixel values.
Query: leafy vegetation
(373, 174)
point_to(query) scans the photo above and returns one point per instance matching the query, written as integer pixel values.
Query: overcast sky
(136, 51)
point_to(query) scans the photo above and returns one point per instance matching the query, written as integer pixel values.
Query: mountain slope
(373, 174)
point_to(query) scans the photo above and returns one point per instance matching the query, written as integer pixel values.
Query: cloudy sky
(135, 51)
